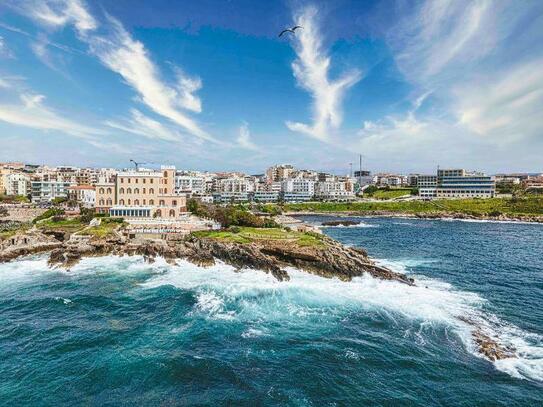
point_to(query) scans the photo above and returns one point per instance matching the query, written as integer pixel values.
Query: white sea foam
(23, 270)
(361, 224)
(256, 298)
(65, 301)
(253, 297)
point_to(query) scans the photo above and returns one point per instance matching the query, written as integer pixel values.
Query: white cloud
(507, 105)
(145, 126)
(122, 54)
(32, 112)
(58, 13)
(244, 138)
(483, 65)
(311, 70)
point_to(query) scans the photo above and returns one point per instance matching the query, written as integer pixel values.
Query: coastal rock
(340, 223)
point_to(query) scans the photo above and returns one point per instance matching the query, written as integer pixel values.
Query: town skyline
(408, 85)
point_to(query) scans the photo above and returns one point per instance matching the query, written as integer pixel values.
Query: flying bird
(290, 30)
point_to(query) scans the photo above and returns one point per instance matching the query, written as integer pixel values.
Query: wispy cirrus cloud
(122, 54)
(311, 70)
(143, 125)
(31, 111)
(244, 138)
(477, 60)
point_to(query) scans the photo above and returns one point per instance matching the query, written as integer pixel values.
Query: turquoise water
(117, 331)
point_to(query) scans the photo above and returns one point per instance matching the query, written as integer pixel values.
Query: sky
(209, 85)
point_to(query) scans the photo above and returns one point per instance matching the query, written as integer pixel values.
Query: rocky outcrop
(330, 259)
(25, 243)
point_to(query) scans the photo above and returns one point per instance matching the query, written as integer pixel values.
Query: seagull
(290, 30)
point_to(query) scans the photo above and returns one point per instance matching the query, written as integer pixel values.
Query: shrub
(234, 229)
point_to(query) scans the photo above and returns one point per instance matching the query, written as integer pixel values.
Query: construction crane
(137, 164)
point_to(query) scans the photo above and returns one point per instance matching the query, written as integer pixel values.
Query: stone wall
(21, 213)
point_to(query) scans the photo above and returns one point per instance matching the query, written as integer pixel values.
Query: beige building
(141, 194)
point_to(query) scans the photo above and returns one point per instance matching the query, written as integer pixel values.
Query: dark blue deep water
(117, 331)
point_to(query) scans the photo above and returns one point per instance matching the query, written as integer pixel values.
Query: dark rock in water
(491, 349)
(340, 223)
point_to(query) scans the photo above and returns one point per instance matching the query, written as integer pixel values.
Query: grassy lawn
(248, 235)
(102, 230)
(390, 193)
(525, 206)
(65, 225)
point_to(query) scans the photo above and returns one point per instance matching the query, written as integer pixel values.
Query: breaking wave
(254, 298)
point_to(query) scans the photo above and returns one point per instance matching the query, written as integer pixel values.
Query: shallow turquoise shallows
(117, 331)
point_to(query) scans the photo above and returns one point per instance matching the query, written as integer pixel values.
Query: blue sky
(209, 85)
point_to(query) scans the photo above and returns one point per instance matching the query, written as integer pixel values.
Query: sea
(117, 331)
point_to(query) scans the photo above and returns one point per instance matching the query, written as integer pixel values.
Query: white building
(17, 184)
(85, 195)
(46, 191)
(298, 186)
(235, 185)
(459, 183)
(190, 184)
(333, 191)
(456, 183)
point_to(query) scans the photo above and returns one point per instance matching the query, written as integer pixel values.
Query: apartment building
(46, 191)
(299, 186)
(17, 183)
(279, 172)
(190, 184)
(85, 195)
(333, 191)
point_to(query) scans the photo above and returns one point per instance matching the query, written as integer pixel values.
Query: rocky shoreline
(331, 260)
(422, 215)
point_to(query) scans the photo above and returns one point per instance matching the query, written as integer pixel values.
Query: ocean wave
(361, 224)
(256, 298)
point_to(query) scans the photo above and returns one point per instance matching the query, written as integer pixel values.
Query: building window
(101, 190)
(158, 213)
(101, 202)
(144, 202)
(172, 213)
(128, 190)
(144, 180)
(151, 180)
(122, 180)
(174, 202)
(165, 175)
(136, 180)
(121, 191)
(143, 190)
(121, 202)
(151, 191)
(109, 202)
(161, 203)
(151, 201)
(136, 190)
(109, 190)
(136, 202)
(129, 202)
